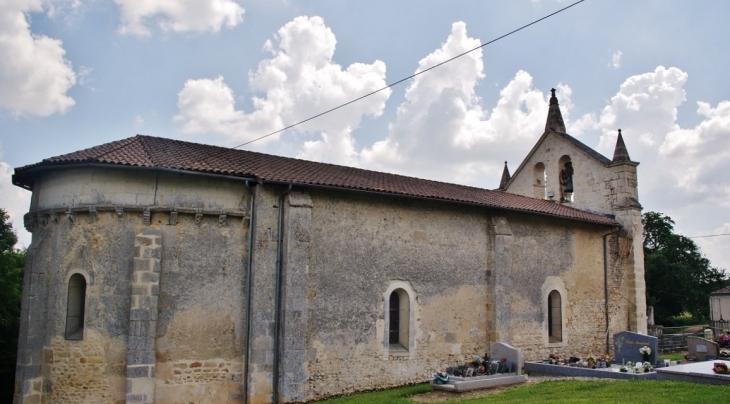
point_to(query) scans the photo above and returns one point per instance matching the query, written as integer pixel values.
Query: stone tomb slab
(462, 384)
(699, 372)
(626, 345)
(497, 351)
(701, 348)
(546, 369)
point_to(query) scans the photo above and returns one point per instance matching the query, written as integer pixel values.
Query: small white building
(720, 308)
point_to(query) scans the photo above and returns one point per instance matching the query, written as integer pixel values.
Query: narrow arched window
(555, 317)
(75, 306)
(399, 313)
(394, 318)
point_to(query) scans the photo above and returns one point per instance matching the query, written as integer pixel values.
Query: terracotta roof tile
(154, 152)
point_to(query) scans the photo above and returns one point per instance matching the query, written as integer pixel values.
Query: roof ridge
(146, 148)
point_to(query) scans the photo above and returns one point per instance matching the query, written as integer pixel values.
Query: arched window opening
(75, 306)
(555, 317)
(540, 180)
(394, 318)
(399, 320)
(565, 177)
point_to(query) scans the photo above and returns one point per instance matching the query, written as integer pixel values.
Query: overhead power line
(711, 235)
(410, 77)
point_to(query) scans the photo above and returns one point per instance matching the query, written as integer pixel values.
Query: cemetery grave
(501, 367)
(636, 358)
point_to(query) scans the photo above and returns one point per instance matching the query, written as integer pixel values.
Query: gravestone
(702, 348)
(626, 345)
(500, 350)
(508, 376)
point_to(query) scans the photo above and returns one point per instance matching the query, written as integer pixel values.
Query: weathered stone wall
(144, 188)
(478, 277)
(197, 284)
(360, 244)
(78, 371)
(473, 276)
(201, 318)
(555, 255)
(100, 248)
(261, 345)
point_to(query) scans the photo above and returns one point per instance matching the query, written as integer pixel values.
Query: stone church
(164, 271)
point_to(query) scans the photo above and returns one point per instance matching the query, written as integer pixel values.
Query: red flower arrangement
(720, 368)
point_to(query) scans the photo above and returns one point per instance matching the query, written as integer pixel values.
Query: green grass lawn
(568, 391)
(392, 396)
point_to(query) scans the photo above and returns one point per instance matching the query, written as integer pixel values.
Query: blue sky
(78, 73)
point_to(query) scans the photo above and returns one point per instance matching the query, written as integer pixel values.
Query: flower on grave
(725, 353)
(554, 359)
(604, 358)
(440, 377)
(721, 368)
(723, 340)
(648, 367)
(503, 360)
(623, 368)
(645, 350)
(591, 360)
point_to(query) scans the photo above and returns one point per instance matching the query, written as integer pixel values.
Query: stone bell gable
(600, 184)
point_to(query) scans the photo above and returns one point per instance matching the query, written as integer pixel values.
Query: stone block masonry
(29, 383)
(143, 317)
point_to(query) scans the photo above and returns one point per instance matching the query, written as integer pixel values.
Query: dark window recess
(75, 307)
(555, 317)
(394, 318)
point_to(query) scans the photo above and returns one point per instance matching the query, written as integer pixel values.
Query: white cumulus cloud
(34, 74)
(299, 81)
(177, 15)
(688, 162)
(701, 155)
(16, 202)
(443, 120)
(645, 106)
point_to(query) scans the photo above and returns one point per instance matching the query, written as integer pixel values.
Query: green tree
(11, 284)
(678, 278)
